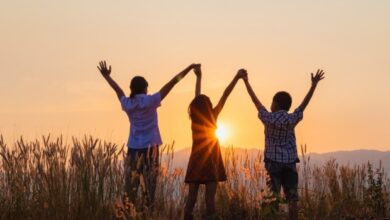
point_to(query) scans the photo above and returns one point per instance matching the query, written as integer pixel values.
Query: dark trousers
(283, 176)
(141, 170)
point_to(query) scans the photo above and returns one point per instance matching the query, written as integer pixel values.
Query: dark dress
(205, 164)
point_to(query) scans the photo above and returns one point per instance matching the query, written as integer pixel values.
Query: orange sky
(50, 49)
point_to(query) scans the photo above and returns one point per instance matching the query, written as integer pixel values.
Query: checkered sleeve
(264, 115)
(297, 115)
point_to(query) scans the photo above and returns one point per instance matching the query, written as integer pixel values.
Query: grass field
(49, 179)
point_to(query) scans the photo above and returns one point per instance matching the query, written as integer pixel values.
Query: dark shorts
(143, 159)
(283, 176)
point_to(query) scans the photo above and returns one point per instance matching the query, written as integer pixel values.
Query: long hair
(138, 85)
(201, 112)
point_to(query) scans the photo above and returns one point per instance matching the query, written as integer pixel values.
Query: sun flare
(222, 132)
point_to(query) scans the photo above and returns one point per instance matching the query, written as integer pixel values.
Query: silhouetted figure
(280, 154)
(141, 165)
(205, 165)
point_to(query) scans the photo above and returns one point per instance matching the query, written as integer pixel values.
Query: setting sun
(222, 132)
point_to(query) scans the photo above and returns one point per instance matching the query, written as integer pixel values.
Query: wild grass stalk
(49, 179)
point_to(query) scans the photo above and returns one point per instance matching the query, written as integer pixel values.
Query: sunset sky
(50, 49)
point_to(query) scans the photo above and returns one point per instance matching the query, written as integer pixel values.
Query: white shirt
(142, 113)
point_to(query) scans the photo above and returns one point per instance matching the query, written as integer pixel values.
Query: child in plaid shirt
(280, 153)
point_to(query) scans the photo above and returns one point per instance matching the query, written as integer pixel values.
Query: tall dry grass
(50, 179)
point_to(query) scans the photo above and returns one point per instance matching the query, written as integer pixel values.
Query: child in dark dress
(205, 165)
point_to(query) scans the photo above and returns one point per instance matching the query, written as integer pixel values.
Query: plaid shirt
(280, 142)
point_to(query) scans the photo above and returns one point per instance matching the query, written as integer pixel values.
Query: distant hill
(355, 157)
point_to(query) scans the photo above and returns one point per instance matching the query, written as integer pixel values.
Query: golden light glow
(251, 38)
(222, 132)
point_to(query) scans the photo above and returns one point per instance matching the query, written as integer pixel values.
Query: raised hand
(197, 70)
(103, 68)
(177, 78)
(318, 77)
(106, 74)
(240, 74)
(314, 80)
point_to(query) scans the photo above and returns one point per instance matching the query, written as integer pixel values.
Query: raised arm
(198, 73)
(252, 94)
(168, 87)
(106, 74)
(218, 108)
(314, 81)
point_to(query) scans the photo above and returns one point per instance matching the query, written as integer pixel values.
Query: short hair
(283, 100)
(138, 85)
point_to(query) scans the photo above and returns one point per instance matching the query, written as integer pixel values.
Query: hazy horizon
(50, 50)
